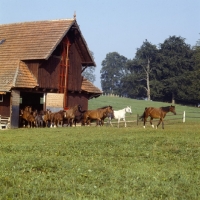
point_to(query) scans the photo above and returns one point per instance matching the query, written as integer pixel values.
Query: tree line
(169, 72)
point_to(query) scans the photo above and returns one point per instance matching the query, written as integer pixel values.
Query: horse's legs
(56, 122)
(102, 122)
(145, 119)
(151, 122)
(61, 123)
(118, 122)
(68, 122)
(124, 122)
(98, 121)
(109, 121)
(51, 124)
(161, 120)
(72, 122)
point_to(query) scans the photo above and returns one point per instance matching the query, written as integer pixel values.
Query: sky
(113, 25)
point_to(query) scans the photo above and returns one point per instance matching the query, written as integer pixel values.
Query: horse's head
(48, 111)
(172, 109)
(35, 113)
(110, 110)
(128, 109)
(110, 115)
(75, 108)
(64, 114)
(21, 111)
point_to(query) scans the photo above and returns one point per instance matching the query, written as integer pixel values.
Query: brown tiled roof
(24, 76)
(32, 40)
(29, 41)
(89, 87)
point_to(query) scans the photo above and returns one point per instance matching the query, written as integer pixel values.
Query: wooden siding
(5, 105)
(74, 71)
(33, 67)
(48, 73)
(78, 99)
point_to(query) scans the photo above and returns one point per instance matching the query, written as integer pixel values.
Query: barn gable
(35, 41)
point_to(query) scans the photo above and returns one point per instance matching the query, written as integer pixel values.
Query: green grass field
(103, 162)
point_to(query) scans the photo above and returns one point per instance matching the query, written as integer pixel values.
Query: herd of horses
(74, 115)
(70, 117)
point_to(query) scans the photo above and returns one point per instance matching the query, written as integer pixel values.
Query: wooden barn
(41, 65)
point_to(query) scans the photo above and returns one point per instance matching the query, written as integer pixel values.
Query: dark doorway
(35, 100)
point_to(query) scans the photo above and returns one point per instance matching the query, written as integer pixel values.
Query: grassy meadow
(104, 162)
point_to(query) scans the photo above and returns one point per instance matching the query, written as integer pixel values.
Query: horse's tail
(142, 116)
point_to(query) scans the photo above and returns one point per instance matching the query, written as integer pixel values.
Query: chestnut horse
(54, 118)
(58, 117)
(158, 113)
(71, 113)
(28, 116)
(46, 117)
(98, 115)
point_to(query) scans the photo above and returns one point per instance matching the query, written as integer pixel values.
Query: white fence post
(183, 116)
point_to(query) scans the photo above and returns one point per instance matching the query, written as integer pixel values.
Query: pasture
(103, 162)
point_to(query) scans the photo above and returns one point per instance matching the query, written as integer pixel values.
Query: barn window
(41, 100)
(1, 97)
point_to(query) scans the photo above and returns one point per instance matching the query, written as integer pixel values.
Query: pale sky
(114, 25)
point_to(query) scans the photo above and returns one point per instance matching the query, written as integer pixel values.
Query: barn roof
(90, 88)
(37, 40)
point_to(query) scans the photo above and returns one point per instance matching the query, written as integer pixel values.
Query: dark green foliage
(175, 62)
(112, 72)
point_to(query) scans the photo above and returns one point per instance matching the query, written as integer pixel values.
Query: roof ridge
(39, 21)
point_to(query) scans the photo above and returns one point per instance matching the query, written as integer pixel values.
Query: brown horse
(98, 115)
(28, 116)
(54, 118)
(71, 113)
(58, 117)
(46, 117)
(158, 113)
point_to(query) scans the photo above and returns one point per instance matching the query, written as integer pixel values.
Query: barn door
(64, 65)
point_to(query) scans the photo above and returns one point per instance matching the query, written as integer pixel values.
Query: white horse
(120, 114)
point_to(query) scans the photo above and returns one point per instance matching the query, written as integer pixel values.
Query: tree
(141, 67)
(175, 64)
(130, 85)
(112, 71)
(88, 72)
